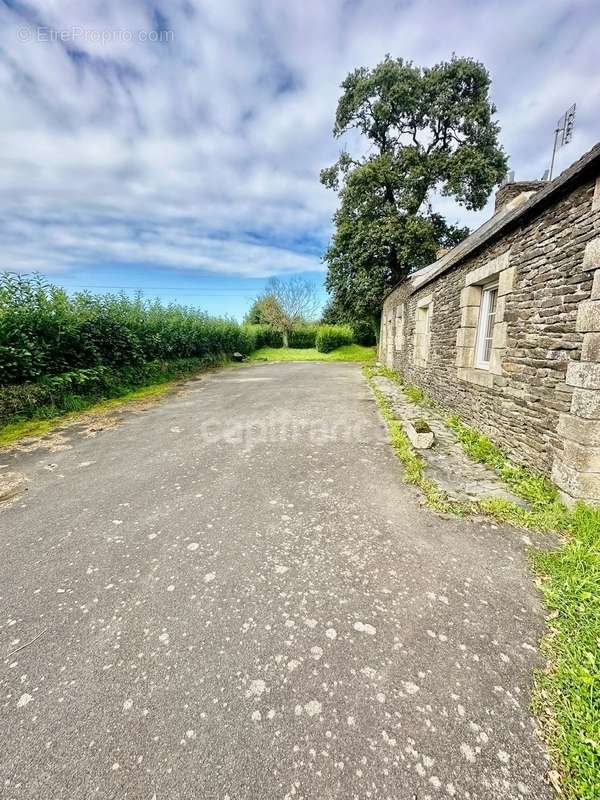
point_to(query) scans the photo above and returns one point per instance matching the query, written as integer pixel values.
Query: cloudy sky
(175, 145)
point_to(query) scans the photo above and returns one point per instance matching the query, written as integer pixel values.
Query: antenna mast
(562, 134)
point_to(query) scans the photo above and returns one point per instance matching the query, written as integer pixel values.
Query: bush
(44, 332)
(264, 336)
(65, 392)
(330, 337)
(363, 333)
(304, 336)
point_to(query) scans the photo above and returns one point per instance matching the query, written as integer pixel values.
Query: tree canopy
(427, 130)
(285, 304)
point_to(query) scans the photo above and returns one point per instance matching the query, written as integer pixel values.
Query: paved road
(238, 598)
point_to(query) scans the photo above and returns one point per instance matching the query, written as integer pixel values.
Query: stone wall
(540, 398)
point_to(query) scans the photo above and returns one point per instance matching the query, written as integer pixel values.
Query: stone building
(504, 329)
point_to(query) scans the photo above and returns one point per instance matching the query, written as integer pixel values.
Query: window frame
(424, 313)
(483, 325)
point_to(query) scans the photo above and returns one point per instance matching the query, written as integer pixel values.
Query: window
(399, 328)
(423, 330)
(485, 326)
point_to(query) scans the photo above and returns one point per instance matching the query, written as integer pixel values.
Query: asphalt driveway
(235, 596)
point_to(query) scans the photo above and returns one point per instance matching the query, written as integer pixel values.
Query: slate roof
(505, 219)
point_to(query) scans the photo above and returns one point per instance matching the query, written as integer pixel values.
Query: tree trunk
(376, 323)
(284, 336)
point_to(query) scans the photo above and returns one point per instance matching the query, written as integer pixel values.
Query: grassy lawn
(351, 352)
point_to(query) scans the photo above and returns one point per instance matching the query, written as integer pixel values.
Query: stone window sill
(482, 377)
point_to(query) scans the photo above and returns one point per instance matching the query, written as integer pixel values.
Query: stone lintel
(488, 270)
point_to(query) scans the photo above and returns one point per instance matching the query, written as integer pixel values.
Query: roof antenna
(562, 134)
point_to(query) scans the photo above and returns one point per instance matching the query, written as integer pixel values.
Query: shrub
(304, 336)
(70, 390)
(265, 336)
(44, 332)
(363, 333)
(330, 337)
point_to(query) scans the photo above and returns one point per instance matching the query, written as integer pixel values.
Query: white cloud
(203, 153)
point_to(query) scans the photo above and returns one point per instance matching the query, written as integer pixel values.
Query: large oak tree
(426, 130)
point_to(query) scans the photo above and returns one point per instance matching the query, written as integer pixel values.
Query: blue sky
(175, 145)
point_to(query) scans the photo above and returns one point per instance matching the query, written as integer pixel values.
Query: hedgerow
(263, 336)
(303, 336)
(330, 337)
(45, 332)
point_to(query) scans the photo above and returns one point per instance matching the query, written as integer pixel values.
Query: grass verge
(412, 463)
(45, 418)
(351, 352)
(567, 695)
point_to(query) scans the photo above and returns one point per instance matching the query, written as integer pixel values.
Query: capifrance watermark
(83, 35)
(246, 434)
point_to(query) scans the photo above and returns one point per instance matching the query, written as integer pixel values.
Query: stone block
(465, 337)
(506, 281)
(596, 198)
(481, 377)
(469, 316)
(590, 347)
(583, 374)
(470, 296)
(500, 334)
(577, 429)
(496, 357)
(464, 356)
(420, 440)
(581, 458)
(488, 270)
(576, 485)
(591, 254)
(586, 403)
(588, 316)
(500, 309)
(596, 286)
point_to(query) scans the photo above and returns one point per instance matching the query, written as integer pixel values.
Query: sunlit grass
(351, 352)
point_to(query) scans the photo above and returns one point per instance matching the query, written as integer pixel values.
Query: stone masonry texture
(545, 317)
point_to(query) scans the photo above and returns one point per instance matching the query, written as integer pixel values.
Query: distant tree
(427, 130)
(256, 314)
(288, 303)
(333, 314)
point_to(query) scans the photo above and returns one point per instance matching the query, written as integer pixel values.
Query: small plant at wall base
(421, 426)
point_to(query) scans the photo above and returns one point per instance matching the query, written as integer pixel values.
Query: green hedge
(330, 337)
(304, 336)
(363, 333)
(45, 332)
(263, 336)
(56, 393)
